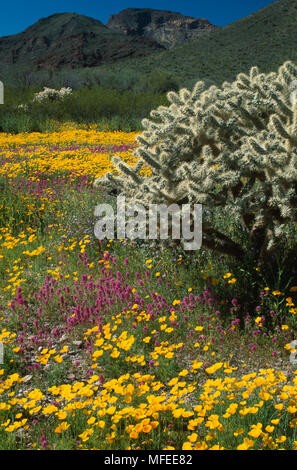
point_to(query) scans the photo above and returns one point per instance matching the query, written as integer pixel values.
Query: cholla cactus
(231, 148)
(24, 107)
(51, 94)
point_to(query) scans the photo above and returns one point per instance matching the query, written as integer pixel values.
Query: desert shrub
(17, 122)
(160, 81)
(231, 149)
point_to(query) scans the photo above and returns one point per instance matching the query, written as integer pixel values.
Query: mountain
(266, 38)
(69, 40)
(166, 27)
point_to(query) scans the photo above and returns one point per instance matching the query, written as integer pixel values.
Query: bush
(160, 81)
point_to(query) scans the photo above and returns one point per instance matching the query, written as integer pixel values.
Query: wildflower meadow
(113, 344)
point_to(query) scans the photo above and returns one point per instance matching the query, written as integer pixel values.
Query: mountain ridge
(166, 27)
(70, 40)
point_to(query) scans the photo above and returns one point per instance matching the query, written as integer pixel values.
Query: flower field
(114, 345)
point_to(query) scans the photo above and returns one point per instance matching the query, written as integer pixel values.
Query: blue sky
(17, 15)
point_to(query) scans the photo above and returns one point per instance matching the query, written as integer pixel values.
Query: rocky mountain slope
(69, 40)
(165, 27)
